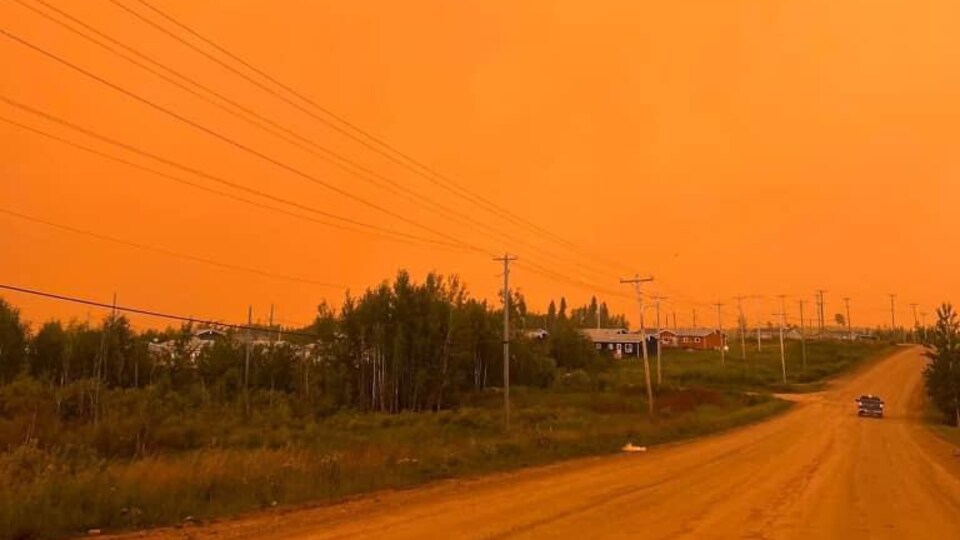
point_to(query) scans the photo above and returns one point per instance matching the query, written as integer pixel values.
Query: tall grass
(157, 458)
(49, 494)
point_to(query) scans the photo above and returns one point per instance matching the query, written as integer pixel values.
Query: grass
(935, 423)
(947, 433)
(762, 370)
(215, 464)
(46, 494)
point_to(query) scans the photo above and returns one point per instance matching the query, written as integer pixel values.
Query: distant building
(693, 338)
(191, 348)
(539, 333)
(619, 342)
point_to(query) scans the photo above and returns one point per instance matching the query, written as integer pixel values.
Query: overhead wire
(225, 138)
(231, 141)
(351, 224)
(175, 115)
(274, 128)
(535, 268)
(169, 252)
(417, 167)
(151, 312)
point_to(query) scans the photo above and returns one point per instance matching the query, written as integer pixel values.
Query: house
(693, 338)
(191, 348)
(539, 333)
(620, 342)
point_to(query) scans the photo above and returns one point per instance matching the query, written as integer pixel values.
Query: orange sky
(724, 147)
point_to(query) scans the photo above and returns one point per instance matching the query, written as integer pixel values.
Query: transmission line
(228, 140)
(148, 312)
(407, 161)
(360, 227)
(168, 252)
(245, 113)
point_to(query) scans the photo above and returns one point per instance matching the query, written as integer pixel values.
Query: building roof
(607, 335)
(692, 332)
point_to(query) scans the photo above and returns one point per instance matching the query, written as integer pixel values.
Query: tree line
(399, 346)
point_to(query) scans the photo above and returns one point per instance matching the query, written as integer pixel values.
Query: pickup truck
(870, 405)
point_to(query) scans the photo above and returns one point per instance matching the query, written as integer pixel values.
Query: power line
(146, 312)
(556, 276)
(364, 228)
(383, 231)
(230, 141)
(260, 121)
(168, 252)
(407, 161)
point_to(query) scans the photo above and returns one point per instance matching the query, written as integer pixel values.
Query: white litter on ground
(630, 447)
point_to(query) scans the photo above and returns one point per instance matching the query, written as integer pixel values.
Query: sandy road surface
(816, 472)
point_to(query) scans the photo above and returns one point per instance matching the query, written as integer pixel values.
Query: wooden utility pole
(846, 302)
(694, 317)
(246, 361)
(916, 322)
(637, 281)
(759, 345)
(506, 260)
(893, 313)
(742, 325)
(659, 342)
(822, 310)
(803, 339)
(783, 356)
(720, 329)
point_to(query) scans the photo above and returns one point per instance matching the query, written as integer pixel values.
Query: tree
(562, 313)
(48, 356)
(841, 320)
(552, 316)
(942, 375)
(13, 342)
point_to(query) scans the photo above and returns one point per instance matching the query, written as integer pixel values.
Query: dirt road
(816, 472)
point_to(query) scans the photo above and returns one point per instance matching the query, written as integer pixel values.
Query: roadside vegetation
(762, 371)
(942, 375)
(396, 387)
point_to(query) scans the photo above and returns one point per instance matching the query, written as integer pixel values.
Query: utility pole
(742, 325)
(694, 317)
(916, 321)
(506, 260)
(246, 361)
(923, 314)
(893, 313)
(783, 306)
(846, 302)
(720, 328)
(659, 330)
(803, 338)
(674, 320)
(637, 281)
(759, 345)
(823, 310)
(783, 356)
